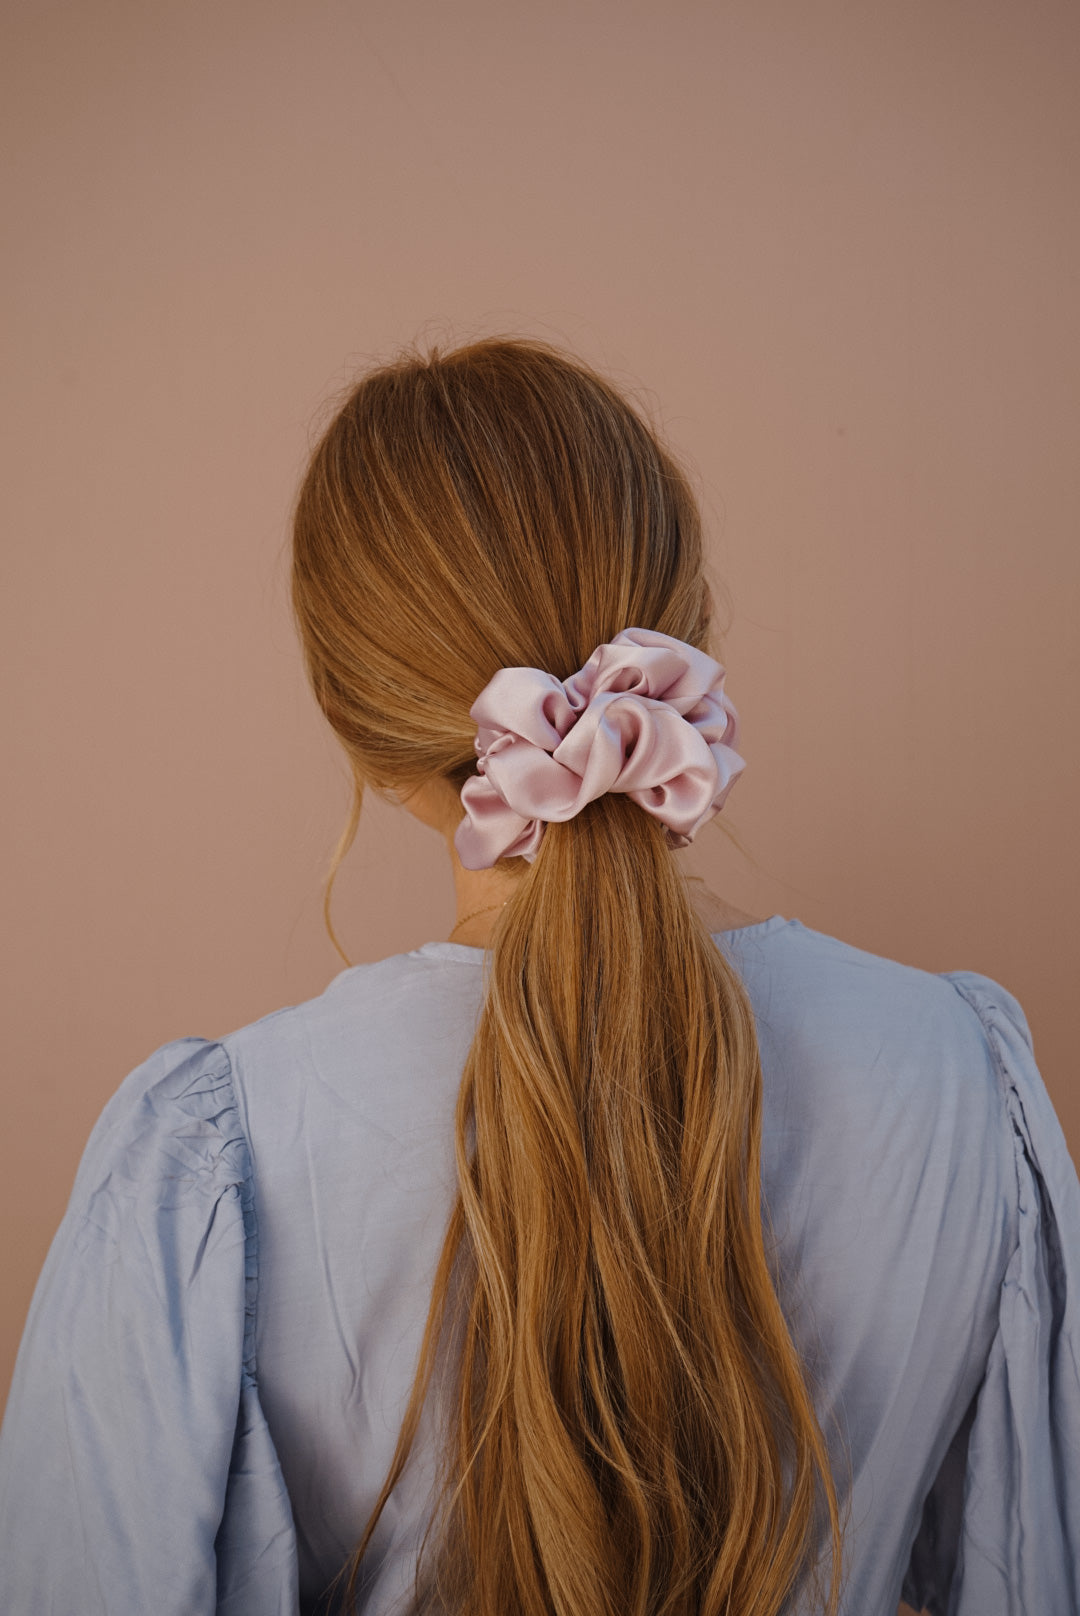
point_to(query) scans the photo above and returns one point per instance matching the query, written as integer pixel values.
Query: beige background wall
(836, 247)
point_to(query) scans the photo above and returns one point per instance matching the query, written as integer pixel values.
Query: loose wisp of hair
(627, 1425)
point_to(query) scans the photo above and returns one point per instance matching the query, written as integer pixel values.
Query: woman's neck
(481, 895)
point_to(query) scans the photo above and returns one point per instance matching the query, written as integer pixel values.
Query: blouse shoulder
(1039, 1142)
(170, 1137)
(136, 1470)
(179, 1099)
(1000, 1524)
(1000, 1013)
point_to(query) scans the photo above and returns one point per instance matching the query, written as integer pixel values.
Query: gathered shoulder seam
(245, 1186)
(986, 1010)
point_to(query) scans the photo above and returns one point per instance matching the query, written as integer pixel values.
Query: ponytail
(618, 1420)
(627, 1428)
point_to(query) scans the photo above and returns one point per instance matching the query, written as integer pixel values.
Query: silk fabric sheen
(646, 715)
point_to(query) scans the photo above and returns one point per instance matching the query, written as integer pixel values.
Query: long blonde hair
(630, 1428)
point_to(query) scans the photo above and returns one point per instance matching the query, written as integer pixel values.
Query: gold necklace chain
(491, 907)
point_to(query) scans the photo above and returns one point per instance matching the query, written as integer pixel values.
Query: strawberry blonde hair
(628, 1429)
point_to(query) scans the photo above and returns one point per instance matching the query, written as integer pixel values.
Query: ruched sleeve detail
(1000, 1528)
(137, 1472)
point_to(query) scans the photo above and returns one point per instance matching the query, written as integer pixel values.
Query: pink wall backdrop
(834, 248)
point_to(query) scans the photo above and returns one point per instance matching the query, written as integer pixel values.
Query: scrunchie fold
(646, 715)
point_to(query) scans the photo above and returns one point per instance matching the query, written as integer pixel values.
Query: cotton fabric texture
(224, 1334)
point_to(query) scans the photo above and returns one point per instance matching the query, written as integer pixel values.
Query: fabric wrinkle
(226, 1329)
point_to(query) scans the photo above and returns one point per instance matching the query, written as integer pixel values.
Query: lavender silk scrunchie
(646, 715)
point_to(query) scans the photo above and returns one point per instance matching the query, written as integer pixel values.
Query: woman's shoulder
(815, 982)
(859, 1048)
(847, 1036)
(170, 1128)
(808, 988)
(385, 1002)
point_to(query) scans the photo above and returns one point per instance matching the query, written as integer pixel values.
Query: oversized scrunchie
(646, 715)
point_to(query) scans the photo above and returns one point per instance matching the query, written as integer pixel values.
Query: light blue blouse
(224, 1333)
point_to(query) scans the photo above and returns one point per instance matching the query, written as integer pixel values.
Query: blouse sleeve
(137, 1472)
(1000, 1528)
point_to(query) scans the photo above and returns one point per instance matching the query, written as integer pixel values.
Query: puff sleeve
(137, 1472)
(1000, 1527)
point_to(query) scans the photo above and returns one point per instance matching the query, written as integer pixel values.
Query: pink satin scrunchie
(646, 715)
